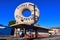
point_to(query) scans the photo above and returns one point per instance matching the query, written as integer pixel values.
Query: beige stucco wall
(55, 31)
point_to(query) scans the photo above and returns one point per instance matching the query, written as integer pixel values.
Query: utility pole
(34, 13)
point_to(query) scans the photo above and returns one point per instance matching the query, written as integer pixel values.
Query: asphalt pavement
(55, 37)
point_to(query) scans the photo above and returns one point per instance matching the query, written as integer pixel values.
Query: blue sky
(49, 11)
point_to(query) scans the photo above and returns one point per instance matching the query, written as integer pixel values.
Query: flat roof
(28, 27)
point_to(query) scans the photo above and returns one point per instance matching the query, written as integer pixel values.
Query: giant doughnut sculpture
(20, 19)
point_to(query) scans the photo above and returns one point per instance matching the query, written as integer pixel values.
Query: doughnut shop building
(26, 24)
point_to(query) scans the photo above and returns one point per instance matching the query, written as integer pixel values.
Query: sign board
(20, 19)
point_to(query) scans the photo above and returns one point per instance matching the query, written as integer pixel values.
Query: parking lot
(56, 37)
